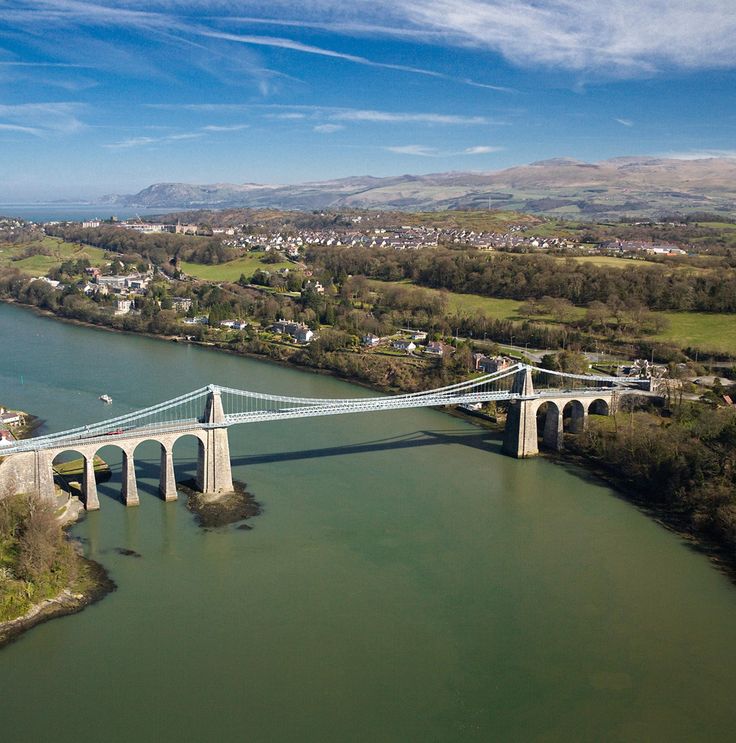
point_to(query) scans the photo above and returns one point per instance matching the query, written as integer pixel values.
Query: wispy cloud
(298, 46)
(328, 128)
(333, 113)
(481, 150)
(606, 37)
(176, 24)
(217, 128)
(289, 116)
(17, 128)
(600, 37)
(43, 118)
(625, 122)
(62, 65)
(421, 150)
(145, 141)
(132, 142)
(405, 117)
(413, 149)
(700, 155)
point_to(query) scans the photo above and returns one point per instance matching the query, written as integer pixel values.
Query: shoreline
(65, 603)
(716, 555)
(195, 344)
(672, 521)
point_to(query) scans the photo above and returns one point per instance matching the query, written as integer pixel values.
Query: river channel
(405, 581)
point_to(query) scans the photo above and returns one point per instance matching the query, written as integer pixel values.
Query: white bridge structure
(557, 398)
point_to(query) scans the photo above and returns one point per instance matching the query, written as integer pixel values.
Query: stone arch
(129, 493)
(550, 423)
(574, 416)
(200, 437)
(86, 478)
(599, 406)
(166, 486)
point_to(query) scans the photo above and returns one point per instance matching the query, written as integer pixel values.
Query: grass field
(59, 251)
(609, 260)
(614, 262)
(75, 467)
(707, 331)
(464, 304)
(231, 270)
(704, 330)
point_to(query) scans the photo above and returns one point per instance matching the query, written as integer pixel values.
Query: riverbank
(284, 362)
(44, 575)
(660, 468)
(71, 600)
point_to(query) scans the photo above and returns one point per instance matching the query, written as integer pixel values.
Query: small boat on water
(106, 399)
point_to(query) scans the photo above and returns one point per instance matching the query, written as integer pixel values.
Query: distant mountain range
(633, 186)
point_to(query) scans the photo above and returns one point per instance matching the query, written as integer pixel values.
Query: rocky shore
(97, 584)
(212, 512)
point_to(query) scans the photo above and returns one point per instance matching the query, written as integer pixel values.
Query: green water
(405, 582)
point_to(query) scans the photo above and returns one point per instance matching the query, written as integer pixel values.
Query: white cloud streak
(605, 37)
(481, 150)
(602, 37)
(133, 142)
(217, 128)
(43, 118)
(334, 113)
(405, 118)
(328, 128)
(420, 150)
(592, 38)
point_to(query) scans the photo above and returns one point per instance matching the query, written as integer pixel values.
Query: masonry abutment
(44, 477)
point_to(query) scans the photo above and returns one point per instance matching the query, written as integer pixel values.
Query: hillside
(611, 188)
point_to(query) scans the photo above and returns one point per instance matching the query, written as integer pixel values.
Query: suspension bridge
(208, 412)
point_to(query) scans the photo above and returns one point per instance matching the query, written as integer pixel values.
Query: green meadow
(55, 252)
(231, 270)
(704, 330)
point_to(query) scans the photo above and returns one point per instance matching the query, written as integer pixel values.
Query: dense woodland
(535, 276)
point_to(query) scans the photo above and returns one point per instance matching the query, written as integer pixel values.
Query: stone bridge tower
(214, 474)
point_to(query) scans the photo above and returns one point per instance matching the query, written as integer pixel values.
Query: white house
(370, 340)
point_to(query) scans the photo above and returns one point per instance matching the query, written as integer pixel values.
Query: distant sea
(72, 212)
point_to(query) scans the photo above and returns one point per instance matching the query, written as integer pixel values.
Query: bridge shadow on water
(484, 440)
(148, 469)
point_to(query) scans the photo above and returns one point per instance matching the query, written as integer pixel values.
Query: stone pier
(553, 435)
(167, 483)
(130, 487)
(89, 485)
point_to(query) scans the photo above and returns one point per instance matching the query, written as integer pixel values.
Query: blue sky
(100, 97)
